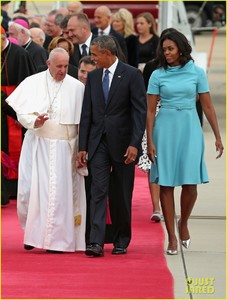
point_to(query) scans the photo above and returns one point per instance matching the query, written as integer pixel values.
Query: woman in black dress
(147, 38)
(124, 24)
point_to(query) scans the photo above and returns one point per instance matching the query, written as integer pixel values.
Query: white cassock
(51, 200)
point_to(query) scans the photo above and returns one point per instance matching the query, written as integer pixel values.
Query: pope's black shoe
(28, 247)
(94, 250)
(119, 250)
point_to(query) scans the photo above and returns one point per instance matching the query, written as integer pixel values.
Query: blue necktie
(105, 85)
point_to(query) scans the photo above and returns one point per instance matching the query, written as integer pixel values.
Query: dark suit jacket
(38, 54)
(117, 36)
(5, 19)
(133, 50)
(122, 119)
(47, 41)
(76, 56)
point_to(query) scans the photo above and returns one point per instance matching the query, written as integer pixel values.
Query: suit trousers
(106, 172)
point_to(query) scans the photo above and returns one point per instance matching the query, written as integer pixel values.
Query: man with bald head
(51, 201)
(79, 32)
(75, 8)
(63, 11)
(102, 18)
(37, 35)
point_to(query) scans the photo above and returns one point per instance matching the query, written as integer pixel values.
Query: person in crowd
(39, 19)
(102, 19)
(51, 199)
(34, 25)
(86, 65)
(22, 17)
(22, 8)
(120, 54)
(63, 11)
(217, 16)
(147, 38)
(37, 35)
(122, 22)
(66, 44)
(64, 28)
(52, 26)
(79, 32)
(111, 129)
(19, 29)
(144, 163)
(4, 14)
(61, 42)
(175, 138)
(75, 7)
(13, 56)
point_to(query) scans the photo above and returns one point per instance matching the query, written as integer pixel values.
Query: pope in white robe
(51, 201)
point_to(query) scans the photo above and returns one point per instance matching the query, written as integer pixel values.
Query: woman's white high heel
(171, 252)
(186, 243)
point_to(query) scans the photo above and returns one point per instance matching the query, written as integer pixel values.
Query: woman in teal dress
(175, 137)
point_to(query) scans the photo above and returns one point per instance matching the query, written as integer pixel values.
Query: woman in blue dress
(175, 138)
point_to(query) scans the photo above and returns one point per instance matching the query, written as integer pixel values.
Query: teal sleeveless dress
(177, 132)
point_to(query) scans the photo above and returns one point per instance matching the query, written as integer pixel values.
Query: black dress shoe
(54, 251)
(94, 250)
(119, 250)
(28, 247)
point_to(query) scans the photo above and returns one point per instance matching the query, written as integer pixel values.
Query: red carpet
(142, 273)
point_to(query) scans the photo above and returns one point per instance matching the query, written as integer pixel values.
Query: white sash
(54, 131)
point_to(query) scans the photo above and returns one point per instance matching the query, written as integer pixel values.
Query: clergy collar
(26, 45)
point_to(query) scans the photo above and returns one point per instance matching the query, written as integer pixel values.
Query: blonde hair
(150, 20)
(126, 17)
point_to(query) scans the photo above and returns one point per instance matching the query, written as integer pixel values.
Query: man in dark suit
(79, 32)
(111, 129)
(102, 18)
